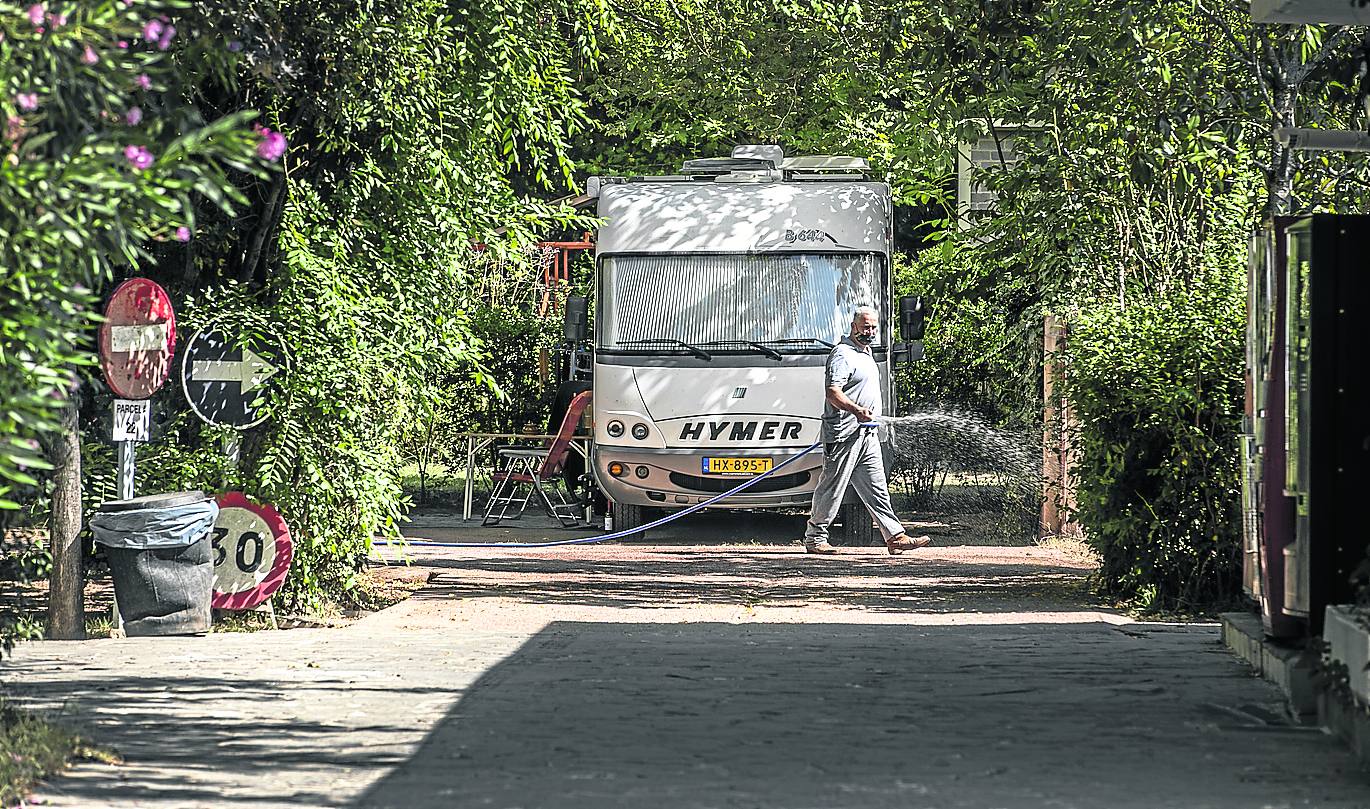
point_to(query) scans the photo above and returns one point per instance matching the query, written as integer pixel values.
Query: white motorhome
(720, 292)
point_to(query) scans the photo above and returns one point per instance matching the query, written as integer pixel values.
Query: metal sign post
(137, 341)
(132, 423)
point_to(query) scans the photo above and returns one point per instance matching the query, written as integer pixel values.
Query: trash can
(159, 553)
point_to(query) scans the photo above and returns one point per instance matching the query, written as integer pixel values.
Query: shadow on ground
(761, 577)
(675, 716)
(1026, 716)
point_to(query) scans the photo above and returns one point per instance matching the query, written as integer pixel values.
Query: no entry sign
(137, 339)
(228, 381)
(252, 552)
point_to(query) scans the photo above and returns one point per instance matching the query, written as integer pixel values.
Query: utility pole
(66, 596)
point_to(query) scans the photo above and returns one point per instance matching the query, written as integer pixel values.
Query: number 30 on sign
(252, 552)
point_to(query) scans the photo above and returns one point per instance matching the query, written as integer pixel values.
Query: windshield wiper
(792, 341)
(769, 352)
(693, 349)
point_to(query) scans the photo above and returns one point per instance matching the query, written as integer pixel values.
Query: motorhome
(719, 293)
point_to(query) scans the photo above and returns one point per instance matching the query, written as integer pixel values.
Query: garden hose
(617, 534)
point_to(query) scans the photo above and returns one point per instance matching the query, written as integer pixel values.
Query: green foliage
(368, 281)
(100, 158)
(983, 352)
(1156, 390)
(31, 749)
(413, 128)
(75, 202)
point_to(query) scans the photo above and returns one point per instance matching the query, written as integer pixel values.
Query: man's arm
(839, 400)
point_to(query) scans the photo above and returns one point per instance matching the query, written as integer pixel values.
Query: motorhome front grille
(771, 484)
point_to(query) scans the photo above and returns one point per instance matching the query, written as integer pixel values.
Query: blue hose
(616, 534)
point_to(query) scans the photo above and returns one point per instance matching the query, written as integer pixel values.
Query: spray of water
(951, 461)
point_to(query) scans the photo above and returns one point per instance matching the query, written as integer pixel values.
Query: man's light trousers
(858, 462)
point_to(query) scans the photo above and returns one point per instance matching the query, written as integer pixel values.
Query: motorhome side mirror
(906, 354)
(911, 317)
(574, 327)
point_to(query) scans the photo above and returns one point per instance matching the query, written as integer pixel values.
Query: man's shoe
(820, 547)
(903, 542)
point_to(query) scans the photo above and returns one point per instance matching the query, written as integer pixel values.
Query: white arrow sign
(250, 372)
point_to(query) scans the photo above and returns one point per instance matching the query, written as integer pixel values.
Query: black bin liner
(159, 553)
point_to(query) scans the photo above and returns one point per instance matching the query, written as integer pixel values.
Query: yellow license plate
(735, 466)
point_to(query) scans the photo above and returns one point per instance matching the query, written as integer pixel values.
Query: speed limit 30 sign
(252, 552)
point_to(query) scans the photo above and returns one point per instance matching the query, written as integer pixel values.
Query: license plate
(735, 466)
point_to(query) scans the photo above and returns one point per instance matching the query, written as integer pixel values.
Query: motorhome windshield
(788, 299)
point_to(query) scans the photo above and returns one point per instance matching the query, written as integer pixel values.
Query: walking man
(851, 441)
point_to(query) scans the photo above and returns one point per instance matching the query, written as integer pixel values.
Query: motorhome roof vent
(755, 151)
(725, 165)
(826, 166)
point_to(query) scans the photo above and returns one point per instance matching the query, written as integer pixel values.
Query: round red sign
(137, 339)
(252, 552)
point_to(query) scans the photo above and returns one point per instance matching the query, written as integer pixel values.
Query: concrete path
(673, 676)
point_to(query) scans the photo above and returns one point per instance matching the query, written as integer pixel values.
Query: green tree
(413, 131)
(100, 158)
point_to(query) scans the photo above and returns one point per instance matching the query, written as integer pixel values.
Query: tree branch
(1329, 44)
(1242, 49)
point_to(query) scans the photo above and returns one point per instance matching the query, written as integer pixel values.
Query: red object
(1278, 511)
(137, 339)
(557, 272)
(244, 534)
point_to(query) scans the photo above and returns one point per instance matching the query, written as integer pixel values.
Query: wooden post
(1058, 491)
(66, 596)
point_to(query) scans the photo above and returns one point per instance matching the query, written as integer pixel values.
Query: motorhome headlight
(614, 429)
(617, 469)
(640, 431)
(642, 471)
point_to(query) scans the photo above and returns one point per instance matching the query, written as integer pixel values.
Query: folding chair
(527, 471)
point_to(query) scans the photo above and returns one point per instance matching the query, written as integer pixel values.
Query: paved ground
(673, 675)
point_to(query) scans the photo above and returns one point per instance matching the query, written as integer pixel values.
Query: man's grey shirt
(851, 369)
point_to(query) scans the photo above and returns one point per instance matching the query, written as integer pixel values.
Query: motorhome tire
(627, 516)
(858, 525)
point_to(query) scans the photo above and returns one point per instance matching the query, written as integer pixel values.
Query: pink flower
(123, 44)
(183, 234)
(143, 82)
(138, 157)
(272, 146)
(134, 116)
(167, 33)
(57, 20)
(152, 29)
(36, 12)
(27, 102)
(89, 56)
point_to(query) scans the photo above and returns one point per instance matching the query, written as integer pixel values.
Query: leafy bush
(101, 158)
(982, 340)
(1157, 393)
(96, 160)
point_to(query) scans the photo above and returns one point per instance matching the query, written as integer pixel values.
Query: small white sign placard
(132, 419)
(150, 337)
